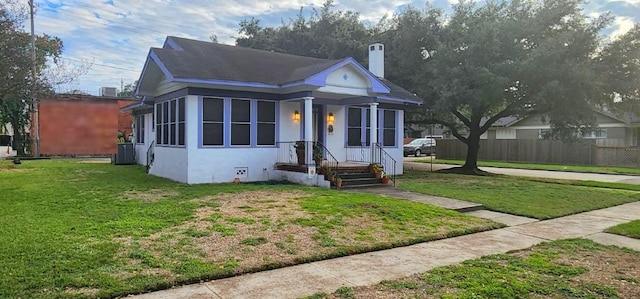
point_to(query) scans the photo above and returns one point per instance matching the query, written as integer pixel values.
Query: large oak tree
(516, 58)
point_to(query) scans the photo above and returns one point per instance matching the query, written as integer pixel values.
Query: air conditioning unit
(108, 91)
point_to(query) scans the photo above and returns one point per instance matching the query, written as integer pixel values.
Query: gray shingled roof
(206, 60)
(211, 61)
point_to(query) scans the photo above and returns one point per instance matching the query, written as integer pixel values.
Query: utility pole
(34, 100)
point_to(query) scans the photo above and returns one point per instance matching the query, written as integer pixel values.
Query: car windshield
(416, 142)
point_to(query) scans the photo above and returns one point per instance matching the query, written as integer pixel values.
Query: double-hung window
(212, 121)
(170, 122)
(240, 122)
(389, 129)
(266, 123)
(140, 129)
(354, 127)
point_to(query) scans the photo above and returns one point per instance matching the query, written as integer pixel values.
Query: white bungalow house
(214, 113)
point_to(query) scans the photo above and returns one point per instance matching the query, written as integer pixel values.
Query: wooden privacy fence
(583, 152)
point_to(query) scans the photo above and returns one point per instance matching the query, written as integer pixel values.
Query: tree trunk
(473, 146)
(18, 138)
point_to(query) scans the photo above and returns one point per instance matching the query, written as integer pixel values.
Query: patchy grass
(78, 230)
(561, 269)
(553, 167)
(519, 196)
(629, 229)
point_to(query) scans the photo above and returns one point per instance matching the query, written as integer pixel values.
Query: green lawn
(556, 167)
(79, 230)
(519, 196)
(629, 229)
(559, 269)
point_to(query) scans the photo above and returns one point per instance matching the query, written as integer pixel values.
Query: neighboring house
(216, 113)
(79, 124)
(620, 131)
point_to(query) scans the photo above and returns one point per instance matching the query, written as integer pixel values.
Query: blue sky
(114, 36)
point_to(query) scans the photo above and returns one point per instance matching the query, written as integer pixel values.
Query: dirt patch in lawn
(148, 195)
(91, 292)
(258, 229)
(609, 267)
(11, 167)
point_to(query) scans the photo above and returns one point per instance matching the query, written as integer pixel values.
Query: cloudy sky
(115, 36)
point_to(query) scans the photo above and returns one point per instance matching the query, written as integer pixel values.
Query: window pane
(172, 111)
(354, 137)
(181, 111)
(165, 112)
(368, 137)
(159, 113)
(159, 136)
(368, 117)
(240, 111)
(212, 134)
(180, 133)
(266, 134)
(172, 134)
(240, 134)
(389, 119)
(266, 111)
(389, 137)
(212, 109)
(165, 134)
(355, 117)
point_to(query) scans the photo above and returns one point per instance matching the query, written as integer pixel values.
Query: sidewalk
(374, 267)
(563, 175)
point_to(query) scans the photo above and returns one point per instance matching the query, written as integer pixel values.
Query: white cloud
(623, 25)
(120, 35)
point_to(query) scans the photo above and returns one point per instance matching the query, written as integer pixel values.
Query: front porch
(353, 170)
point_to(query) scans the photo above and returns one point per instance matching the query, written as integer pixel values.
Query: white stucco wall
(398, 152)
(335, 142)
(171, 163)
(289, 130)
(223, 165)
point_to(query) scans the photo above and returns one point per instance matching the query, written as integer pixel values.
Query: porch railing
(287, 152)
(381, 157)
(294, 152)
(359, 154)
(328, 160)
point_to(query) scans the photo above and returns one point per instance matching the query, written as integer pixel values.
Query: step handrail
(381, 157)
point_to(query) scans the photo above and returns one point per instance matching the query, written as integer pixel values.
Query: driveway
(409, 163)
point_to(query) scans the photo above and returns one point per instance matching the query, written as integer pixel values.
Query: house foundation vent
(242, 172)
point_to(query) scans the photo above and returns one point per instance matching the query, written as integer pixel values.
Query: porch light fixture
(331, 118)
(296, 115)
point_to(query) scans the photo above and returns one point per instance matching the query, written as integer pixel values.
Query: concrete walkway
(564, 175)
(371, 268)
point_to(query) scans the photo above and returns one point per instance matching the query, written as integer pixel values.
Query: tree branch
(453, 128)
(461, 117)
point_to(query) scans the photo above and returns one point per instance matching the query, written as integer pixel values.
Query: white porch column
(373, 133)
(308, 129)
(373, 119)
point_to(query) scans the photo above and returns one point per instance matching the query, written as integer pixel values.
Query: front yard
(536, 198)
(72, 229)
(560, 269)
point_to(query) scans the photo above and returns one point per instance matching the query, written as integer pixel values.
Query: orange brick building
(75, 125)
